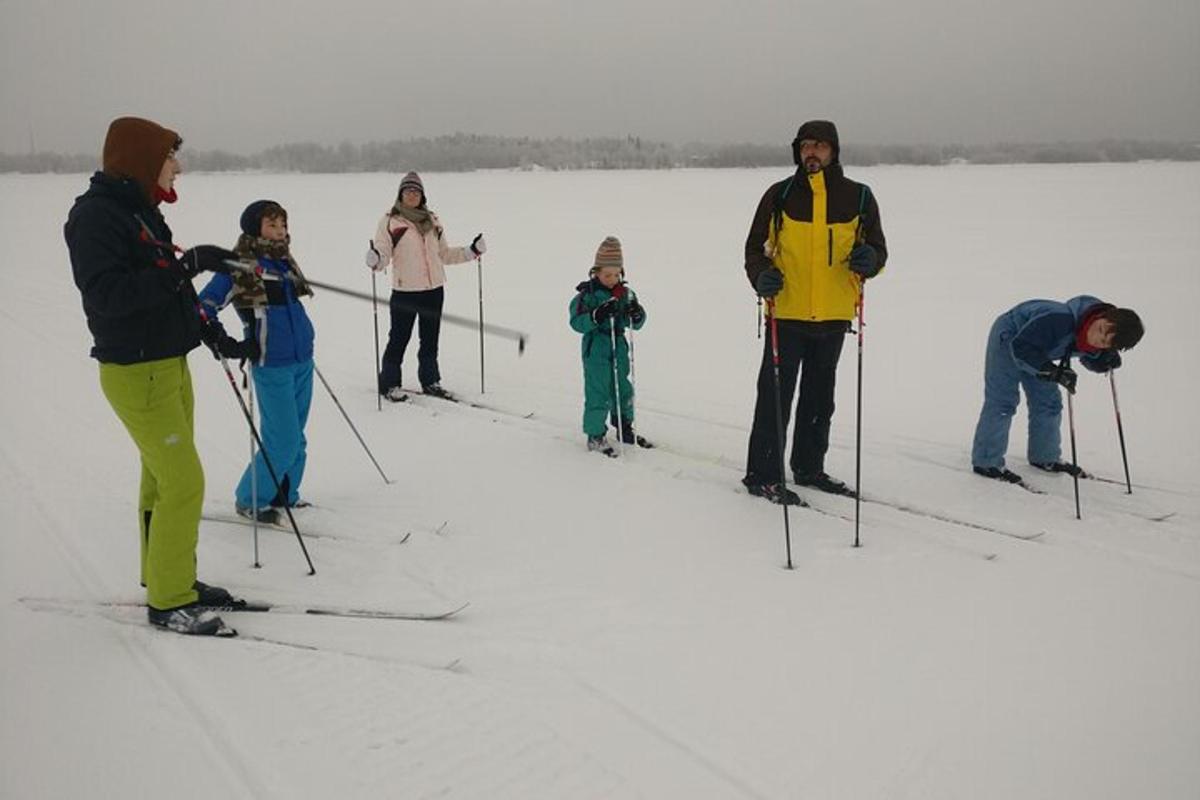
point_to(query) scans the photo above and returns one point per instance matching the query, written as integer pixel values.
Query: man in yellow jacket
(816, 237)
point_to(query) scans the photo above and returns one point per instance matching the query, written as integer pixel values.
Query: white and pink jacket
(417, 261)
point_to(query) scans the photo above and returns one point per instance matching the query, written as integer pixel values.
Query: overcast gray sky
(244, 75)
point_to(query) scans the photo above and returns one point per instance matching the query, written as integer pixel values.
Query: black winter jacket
(137, 309)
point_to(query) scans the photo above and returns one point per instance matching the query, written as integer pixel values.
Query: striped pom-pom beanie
(411, 181)
(609, 254)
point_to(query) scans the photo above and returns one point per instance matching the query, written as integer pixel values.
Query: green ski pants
(154, 402)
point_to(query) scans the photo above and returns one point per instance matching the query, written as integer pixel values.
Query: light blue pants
(1001, 377)
(284, 395)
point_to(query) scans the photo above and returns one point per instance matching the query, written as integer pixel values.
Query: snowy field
(631, 629)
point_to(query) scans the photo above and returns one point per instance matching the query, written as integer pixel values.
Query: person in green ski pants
(142, 312)
(604, 305)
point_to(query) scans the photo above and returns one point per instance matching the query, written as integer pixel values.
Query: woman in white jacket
(411, 238)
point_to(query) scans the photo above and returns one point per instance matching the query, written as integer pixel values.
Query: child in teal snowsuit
(603, 307)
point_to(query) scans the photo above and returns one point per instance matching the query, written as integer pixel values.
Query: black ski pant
(811, 349)
(407, 308)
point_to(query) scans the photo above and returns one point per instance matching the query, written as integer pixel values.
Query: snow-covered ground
(631, 631)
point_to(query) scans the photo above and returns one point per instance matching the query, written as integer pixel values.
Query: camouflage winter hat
(609, 255)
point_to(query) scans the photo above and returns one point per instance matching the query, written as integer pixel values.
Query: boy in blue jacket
(268, 303)
(602, 308)
(1031, 346)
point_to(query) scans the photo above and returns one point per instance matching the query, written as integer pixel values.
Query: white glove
(373, 258)
(478, 246)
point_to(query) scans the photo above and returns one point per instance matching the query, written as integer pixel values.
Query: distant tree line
(465, 152)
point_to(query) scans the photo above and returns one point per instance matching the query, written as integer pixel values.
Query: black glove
(233, 349)
(1059, 373)
(637, 314)
(864, 260)
(213, 335)
(604, 310)
(205, 258)
(1102, 361)
(769, 282)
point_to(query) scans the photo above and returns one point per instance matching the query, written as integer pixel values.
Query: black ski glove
(769, 282)
(1103, 361)
(604, 310)
(206, 258)
(213, 335)
(637, 314)
(864, 261)
(1061, 374)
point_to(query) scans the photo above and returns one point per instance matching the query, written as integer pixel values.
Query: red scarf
(164, 197)
(1081, 342)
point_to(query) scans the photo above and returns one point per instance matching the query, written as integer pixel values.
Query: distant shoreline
(469, 153)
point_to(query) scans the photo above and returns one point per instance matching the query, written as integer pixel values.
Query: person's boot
(599, 444)
(265, 516)
(436, 390)
(823, 482)
(777, 493)
(192, 619)
(215, 597)
(998, 473)
(628, 436)
(1061, 466)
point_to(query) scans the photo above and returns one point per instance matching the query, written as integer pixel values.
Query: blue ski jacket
(1045, 330)
(282, 328)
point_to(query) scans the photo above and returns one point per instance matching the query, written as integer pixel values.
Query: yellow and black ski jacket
(806, 226)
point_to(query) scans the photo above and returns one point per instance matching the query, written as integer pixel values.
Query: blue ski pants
(284, 395)
(1001, 378)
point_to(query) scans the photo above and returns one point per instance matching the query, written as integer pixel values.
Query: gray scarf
(421, 217)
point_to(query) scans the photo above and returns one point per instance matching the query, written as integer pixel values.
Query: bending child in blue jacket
(602, 308)
(269, 306)
(1031, 345)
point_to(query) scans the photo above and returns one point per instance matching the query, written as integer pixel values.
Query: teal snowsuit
(599, 400)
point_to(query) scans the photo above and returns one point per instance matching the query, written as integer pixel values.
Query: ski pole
(758, 325)
(479, 282)
(266, 459)
(463, 322)
(375, 310)
(1112, 381)
(253, 478)
(346, 416)
(779, 445)
(862, 300)
(633, 386)
(612, 327)
(1066, 362)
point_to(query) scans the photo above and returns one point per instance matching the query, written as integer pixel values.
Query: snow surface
(631, 629)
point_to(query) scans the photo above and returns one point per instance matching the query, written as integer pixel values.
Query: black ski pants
(812, 350)
(407, 308)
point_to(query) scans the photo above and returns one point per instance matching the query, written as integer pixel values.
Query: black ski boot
(193, 619)
(777, 493)
(265, 516)
(599, 444)
(215, 597)
(822, 482)
(436, 390)
(628, 436)
(998, 473)
(1061, 466)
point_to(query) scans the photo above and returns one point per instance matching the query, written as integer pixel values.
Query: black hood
(821, 130)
